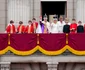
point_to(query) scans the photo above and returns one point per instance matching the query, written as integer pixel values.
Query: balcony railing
(48, 44)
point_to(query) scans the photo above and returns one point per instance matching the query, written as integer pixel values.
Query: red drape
(52, 42)
(3, 41)
(77, 41)
(29, 43)
(23, 42)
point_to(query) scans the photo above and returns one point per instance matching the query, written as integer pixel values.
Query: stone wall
(75, 9)
(70, 9)
(3, 15)
(37, 9)
(34, 9)
(80, 10)
(34, 5)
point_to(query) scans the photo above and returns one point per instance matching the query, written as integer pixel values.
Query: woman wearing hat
(54, 26)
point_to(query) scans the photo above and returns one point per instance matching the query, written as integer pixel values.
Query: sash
(34, 25)
(11, 26)
(29, 29)
(20, 29)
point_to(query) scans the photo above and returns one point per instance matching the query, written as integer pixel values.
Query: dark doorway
(55, 7)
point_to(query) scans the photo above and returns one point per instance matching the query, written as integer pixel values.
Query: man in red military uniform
(29, 28)
(34, 24)
(21, 27)
(73, 26)
(11, 27)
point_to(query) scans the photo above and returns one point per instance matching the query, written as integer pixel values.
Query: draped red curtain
(3, 41)
(77, 41)
(49, 44)
(23, 42)
(52, 42)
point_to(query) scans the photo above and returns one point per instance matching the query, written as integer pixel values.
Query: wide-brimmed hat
(55, 17)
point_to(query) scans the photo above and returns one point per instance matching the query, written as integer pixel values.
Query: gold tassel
(8, 39)
(66, 39)
(37, 39)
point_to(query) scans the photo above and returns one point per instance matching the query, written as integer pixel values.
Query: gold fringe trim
(50, 53)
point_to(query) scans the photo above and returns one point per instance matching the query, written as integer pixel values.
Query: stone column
(52, 65)
(70, 12)
(36, 9)
(5, 65)
(31, 9)
(80, 11)
(3, 15)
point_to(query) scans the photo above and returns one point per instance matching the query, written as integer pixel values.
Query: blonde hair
(61, 17)
(66, 20)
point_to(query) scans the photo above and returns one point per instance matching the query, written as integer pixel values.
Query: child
(35, 25)
(66, 28)
(29, 28)
(21, 27)
(73, 26)
(11, 27)
(80, 28)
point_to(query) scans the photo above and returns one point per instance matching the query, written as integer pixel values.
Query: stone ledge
(5, 63)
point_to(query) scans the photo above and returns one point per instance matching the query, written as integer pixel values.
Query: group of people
(30, 28)
(61, 26)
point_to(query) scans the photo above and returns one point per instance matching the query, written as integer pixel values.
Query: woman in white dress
(54, 27)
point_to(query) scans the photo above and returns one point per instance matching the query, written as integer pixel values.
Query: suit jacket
(66, 29)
